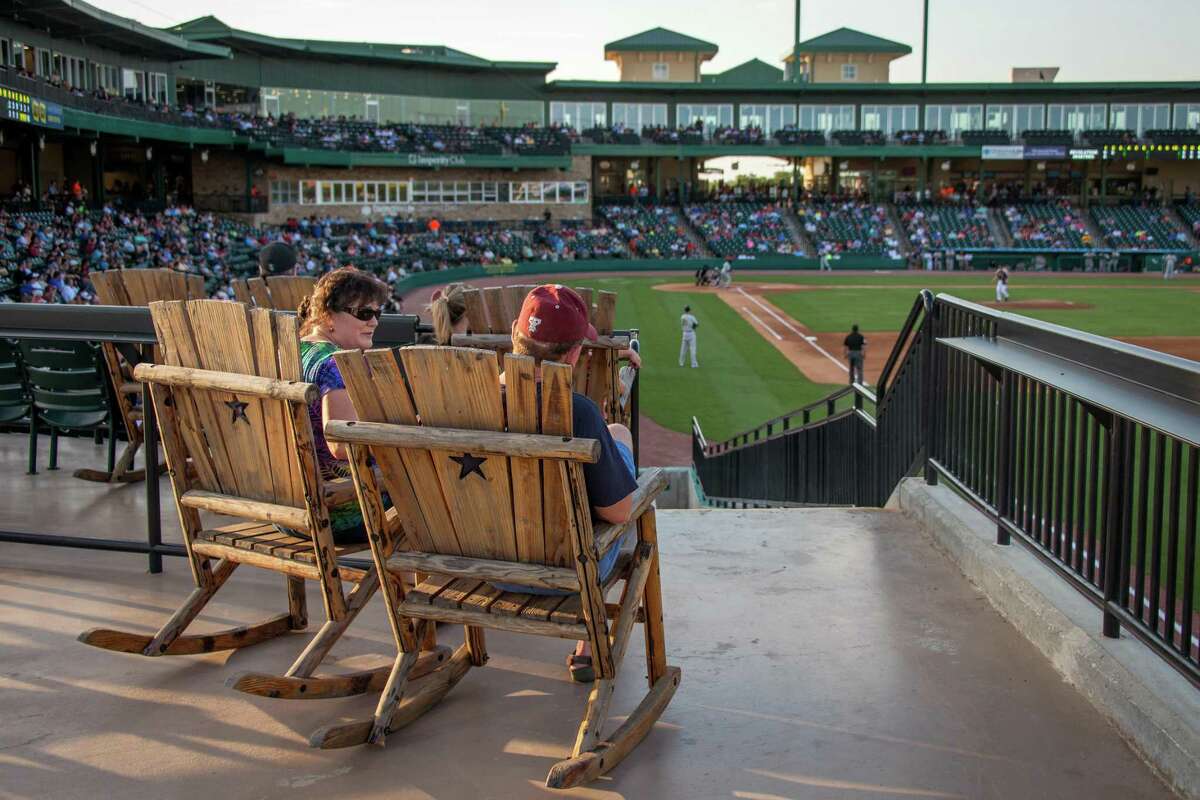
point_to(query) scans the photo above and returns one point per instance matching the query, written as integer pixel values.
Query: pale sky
(970, 40)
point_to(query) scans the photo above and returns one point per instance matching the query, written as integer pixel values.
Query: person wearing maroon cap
(552, 326)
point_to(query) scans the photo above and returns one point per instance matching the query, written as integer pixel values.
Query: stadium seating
(921, 137)
(1047, 225)
(850, 226)
(982, 137)
(935, 226)
(800, 136)
(742, 229)
(859, 138)
(1103, 137)
(1174, 136)
(1190, 214)
(751, 135)
(1049, 137)
(1138, 228)
(651, 231)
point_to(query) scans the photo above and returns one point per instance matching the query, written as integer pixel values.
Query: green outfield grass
(743, 380)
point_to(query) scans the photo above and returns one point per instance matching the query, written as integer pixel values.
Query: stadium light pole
(796, 46)
(924, 42)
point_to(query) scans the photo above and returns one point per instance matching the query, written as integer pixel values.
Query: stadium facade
(829, 112)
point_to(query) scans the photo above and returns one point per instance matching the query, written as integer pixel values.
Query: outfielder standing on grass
(688, 343)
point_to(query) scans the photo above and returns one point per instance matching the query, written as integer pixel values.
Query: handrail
(825, 402)
(924, 302)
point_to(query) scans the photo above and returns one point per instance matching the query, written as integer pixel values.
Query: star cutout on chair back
(239, 410)
(467, 464)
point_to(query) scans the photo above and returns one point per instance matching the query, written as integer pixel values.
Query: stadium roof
(753, 71)
(73, 19)
(848, 40)
(211, 29)
(660, 39)
(787, 87)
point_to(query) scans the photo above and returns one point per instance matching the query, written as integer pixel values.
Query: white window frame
(1185, 112)
(849, 72)
(1015, 118)
(770, 118)
(950, 118)
(1089, 116)
(581, 115)
(660, 71)
(270, 104)
(826, 119)
(644, 115)
(1143, 114)
(892, 119)
(714, 115)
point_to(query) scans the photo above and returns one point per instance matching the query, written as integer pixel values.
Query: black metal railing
(1084, 449)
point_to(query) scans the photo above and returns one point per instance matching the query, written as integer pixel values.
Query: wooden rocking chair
(485, 492)
(238, 441)
(490, 315)
(278, 292)
(134, 287)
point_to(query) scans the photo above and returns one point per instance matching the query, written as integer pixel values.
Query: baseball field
(772, 342)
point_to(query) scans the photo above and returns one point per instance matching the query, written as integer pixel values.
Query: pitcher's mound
(1065, 305)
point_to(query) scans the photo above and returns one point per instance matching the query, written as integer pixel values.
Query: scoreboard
(21, 107)
(1183, 152)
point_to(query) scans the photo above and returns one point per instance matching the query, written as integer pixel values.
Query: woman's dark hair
(338, 290)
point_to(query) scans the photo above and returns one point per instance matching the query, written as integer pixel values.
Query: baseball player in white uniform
(688, 344)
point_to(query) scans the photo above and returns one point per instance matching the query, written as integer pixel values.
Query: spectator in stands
(552, 326)
(341, 314)
(448, 311)
(277, 258)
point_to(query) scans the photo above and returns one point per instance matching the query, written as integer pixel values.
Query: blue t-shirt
(608, 480)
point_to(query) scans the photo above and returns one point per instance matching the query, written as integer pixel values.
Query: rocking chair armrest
(651, 484)
(232, 382)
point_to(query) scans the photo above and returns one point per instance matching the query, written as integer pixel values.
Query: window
(1139, 118)
(372, 114)
(1187, 116)
(1016, 119)
(133, 84)
(661, 71)
(5, 53)
(768, 118)
(953, 119)
(548, 192)
(157, 87)
(849, 72)
(43, 63)
(270, 104)
(827, 118)
(580, 116)
(889, 119)
(713, 116)
(1076, 118)
(285, 192)
(636, 116)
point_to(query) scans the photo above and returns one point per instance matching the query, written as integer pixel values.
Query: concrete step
(999, 227)
(799, 237)
(694, 235)
(1181, 224)
(905, 248)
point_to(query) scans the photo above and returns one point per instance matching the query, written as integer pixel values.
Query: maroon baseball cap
(553, 314)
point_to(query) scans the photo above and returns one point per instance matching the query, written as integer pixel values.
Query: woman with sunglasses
(341, 314)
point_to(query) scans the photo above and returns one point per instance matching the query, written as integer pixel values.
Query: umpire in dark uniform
(854, 348)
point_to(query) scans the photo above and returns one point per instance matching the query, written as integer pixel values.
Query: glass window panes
(285, 192)
(1187, 116)
(889, 119)
(1077, 118)
(768, 118)
(849, 72)
(635, 116)
(953, 119)
(1139, 118)
(404, 108)
(826, 118)
(661, 71)
(1016, 119)
(712, 116)
(580, 116)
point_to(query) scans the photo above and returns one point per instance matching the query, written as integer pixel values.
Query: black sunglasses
(365, 314)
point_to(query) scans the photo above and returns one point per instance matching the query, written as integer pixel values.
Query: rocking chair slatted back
(462, 504)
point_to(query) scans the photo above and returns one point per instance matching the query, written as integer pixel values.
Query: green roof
(848, 40)
(751, 72)
(801, 89)
(209, 28)
(75, 19)
(661, 39)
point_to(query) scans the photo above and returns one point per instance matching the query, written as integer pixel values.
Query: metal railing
(1084, 449)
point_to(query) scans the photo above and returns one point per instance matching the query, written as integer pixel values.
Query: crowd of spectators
(730, 135)
(1139, 227)
(743, 230)
(1047, 225)
(651, 231)
(841, 226)
(939, 226)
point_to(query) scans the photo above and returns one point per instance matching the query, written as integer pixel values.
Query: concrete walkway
(825, 654)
